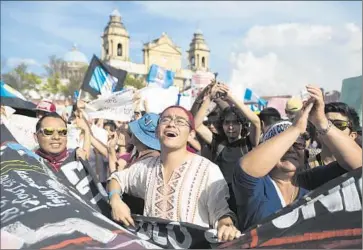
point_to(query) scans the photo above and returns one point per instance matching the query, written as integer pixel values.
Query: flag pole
(79, 95)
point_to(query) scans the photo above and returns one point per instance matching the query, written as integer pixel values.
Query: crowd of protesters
(226, 168)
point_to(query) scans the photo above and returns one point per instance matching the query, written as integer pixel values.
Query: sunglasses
(340, 124)
(50, 131)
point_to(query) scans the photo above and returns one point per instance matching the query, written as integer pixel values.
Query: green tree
(54, 66)
(134, 82)
(20, 79)
(53, 85)
(75, 82)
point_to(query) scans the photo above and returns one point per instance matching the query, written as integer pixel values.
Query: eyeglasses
(178, 121)
(341, 124)
(50, 131)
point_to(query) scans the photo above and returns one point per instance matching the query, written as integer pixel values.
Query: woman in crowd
(273, 175)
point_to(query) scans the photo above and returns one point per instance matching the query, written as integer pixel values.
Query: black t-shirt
(226, 155)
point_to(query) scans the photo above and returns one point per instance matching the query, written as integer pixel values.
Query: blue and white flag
(102, 79)
(255, 108)
(160, 76)
(251, 96)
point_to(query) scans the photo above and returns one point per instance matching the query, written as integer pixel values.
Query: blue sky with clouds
(276, 43)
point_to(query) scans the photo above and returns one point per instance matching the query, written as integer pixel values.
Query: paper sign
(117, 99)
(159, 98)
(23, 129)
(100, 134)
(73, 137)
(122, 113)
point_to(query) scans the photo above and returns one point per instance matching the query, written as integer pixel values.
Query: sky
(272, 47)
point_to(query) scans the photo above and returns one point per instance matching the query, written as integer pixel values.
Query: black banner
(76, 174)
(41, 210)
(38, 211)
(174, 235)
(328, 217)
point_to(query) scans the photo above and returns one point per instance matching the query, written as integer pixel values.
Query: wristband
(116, 191)
(325, 131)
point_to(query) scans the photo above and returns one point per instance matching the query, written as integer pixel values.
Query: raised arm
(248, 113)
(272, 150)
(102, 148)
(112, 159)
(82, 124)
(344, 149)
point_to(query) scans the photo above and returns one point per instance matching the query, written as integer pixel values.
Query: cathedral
(161, 51)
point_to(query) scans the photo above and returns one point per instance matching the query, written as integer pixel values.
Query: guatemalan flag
(102, 79)
(160, 76)
(250, 96)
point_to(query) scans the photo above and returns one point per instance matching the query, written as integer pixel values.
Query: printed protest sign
(117, 99)
(121, 113)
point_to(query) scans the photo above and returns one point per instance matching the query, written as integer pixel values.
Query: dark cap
(268, 112)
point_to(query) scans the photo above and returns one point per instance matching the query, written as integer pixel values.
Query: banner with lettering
(116, 99)
(174, 235)
(121, 113)
(118, 106)
(38, 211)
(326, 218)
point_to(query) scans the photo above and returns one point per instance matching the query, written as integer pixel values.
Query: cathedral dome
(75, 56)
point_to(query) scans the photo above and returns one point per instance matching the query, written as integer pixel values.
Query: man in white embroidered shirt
(177, 185)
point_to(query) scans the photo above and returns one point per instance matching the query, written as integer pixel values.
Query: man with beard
(273, 176)
(177, 185)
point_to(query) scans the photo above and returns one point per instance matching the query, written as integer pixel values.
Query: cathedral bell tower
(115, 39)
(198, 54)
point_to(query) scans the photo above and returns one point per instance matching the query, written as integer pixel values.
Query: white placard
(23, 129)
(73, 137)
(100, 134)
(122, 113)
(117, 99)
(158, 98)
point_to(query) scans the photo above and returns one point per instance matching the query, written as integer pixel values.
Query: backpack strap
(219, 150)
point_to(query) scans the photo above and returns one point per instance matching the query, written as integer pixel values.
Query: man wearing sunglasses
(51, 134)
(343, 118)
(177, 185)
(274, 175)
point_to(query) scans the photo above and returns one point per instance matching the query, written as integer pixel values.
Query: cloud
(13, 62)
(283, 58)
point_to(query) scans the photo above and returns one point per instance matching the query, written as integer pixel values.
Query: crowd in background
(226, 168)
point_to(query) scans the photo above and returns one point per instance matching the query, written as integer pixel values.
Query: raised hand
(301, 119)
(82, 123)
(112, 143)
(317, 115)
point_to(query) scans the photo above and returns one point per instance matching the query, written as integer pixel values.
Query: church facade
(162, 52)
